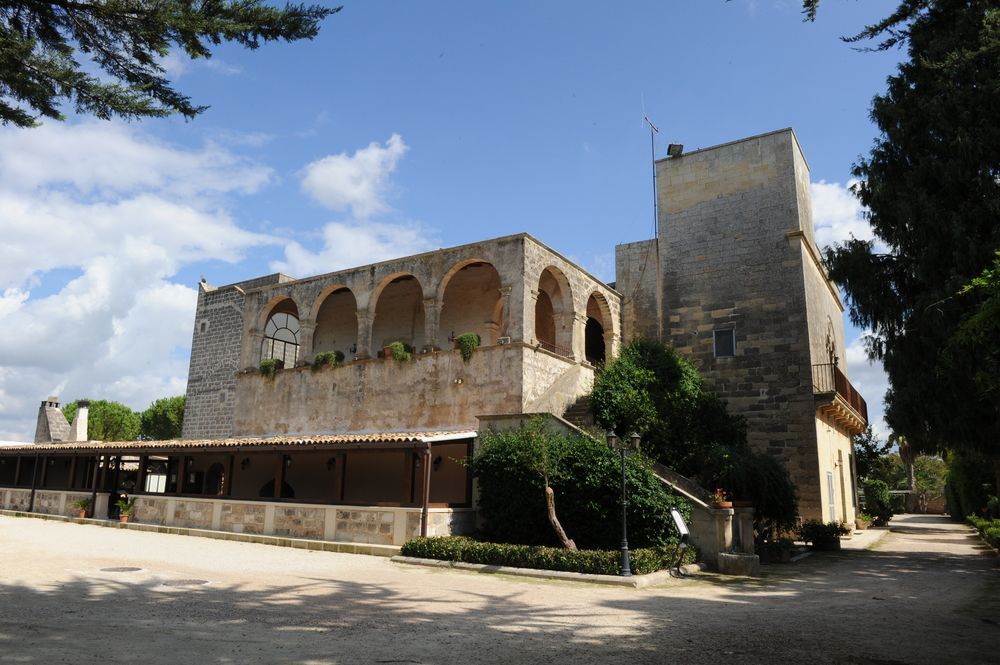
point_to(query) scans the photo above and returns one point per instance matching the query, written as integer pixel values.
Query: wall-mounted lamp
(416, 460)
(458, 382)
(244, 464)
(437, 463)
(288, 461)
(330, 463)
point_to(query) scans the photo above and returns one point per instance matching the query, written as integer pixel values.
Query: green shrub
(400, 352)
(600, 562)
(586, 481)
(819, 534)
(467, 344)
(270, 366)
(989, 529)
(877, 501)
(327, 358)
(897, 503)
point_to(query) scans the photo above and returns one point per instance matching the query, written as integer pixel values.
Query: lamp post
(623, 448)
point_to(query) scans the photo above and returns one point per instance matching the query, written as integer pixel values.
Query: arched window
(471, 303)
(598, 332)
(554, 313)
(281, 334)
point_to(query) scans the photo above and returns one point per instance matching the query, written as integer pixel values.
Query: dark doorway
(594, 336)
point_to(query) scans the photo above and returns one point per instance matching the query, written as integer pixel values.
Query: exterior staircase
(579, 413)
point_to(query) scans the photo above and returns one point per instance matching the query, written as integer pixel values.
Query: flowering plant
(719, 495)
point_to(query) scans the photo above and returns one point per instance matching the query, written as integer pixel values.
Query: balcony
(837, 398)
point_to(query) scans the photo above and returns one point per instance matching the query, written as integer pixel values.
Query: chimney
(78, 431)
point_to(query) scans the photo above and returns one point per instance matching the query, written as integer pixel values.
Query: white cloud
(122, 213)
(101, 158)
(177, 63)
(837, 213)
(357, 182)
(354, 243)
(870, 379)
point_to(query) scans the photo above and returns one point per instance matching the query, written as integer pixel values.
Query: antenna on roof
(653, 131)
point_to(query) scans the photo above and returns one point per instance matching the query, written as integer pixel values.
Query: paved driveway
(927, 593)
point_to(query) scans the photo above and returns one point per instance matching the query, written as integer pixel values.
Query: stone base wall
(352, 524)
(48, 502)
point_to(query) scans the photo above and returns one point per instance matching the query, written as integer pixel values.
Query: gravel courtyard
(927, 593)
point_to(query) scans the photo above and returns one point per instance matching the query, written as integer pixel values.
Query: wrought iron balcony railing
(828, 379)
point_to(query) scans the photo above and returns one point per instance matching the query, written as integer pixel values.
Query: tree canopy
(653, 391)
(41, 44)
(107, 421)
(163, 419)
(931, 185)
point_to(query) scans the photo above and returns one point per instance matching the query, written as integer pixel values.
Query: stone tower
(735, 283)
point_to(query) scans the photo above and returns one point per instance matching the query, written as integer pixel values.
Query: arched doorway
(399, 313)
(337, 323)
(554, 313)
(598, 330)
(471, 303)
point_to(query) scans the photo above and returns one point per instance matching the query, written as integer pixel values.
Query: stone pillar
(504, 322)
(252, 357)
(578, 336)
(432, 322)
(743, 531)
(364, 349)
(306, 331)
(529, 317)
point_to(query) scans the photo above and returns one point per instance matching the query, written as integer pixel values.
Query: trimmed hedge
(988, 529)
(878, 503)
(600, 562)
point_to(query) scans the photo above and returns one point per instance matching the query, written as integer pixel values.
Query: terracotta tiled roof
(291, 441)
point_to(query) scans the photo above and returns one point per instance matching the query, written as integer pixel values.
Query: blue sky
(403, 126)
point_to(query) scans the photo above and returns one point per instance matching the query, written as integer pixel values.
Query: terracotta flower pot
(82, 513)
(123, 518)
(722, 504)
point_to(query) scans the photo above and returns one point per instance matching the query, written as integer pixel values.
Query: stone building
(735, 282)
(369, 449)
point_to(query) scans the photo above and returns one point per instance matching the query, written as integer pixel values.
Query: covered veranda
(358, 487)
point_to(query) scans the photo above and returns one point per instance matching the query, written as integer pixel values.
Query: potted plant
(862, 521)
(270, 366)
(822, 536)
(125, 508)
(325, 358)
(719, 499)
(467, 343)
(398, 351)
(82, 506)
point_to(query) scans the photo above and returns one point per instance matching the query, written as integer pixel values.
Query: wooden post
(227, 489)
(34, 479)
(45, 471)
(468, 472)
(424, 516)
(93, 493)
(17, 472)
(181, 470)
(71, 484)
(140, 476)
(279, 476)
(343, 477)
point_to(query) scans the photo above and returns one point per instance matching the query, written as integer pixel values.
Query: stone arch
(599, 332)
(554, 314)
(336, 321)
(281, 331)
(470, 301)
(398, 314)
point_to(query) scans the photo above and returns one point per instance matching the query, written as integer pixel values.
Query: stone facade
(529, 305)
(737, 253)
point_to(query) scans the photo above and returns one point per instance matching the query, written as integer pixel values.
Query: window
(725, 343)
(281, 339)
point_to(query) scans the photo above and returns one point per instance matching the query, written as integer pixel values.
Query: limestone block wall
(299, 521)
(192, 513)
(636, 269)
(242, 517)
(728, 262)
(47, 502)
(434, 390)
(551, 384)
